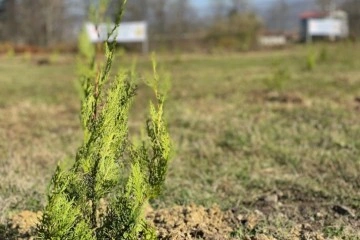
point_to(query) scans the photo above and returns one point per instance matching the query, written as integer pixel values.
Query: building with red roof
(323, 25)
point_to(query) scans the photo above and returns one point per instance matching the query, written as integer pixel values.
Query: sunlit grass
(235, 139)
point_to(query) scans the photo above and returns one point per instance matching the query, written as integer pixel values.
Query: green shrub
(238, 31)
(278, 79)
(10, 53)
(324, 55)
(311, 60)
(102, 196)
(334, 231)
(54, 57)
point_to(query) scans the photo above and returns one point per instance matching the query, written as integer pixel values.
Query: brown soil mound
(197, 222)
(191, 222)
(21, 226)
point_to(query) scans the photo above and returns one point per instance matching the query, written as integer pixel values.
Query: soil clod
(343, 210)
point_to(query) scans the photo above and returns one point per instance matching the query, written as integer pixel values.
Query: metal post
(308, 35)
(145, 43)
(145, 46)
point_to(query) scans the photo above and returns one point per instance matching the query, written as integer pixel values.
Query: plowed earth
(305, 218)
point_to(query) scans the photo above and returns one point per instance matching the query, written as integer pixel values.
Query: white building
(333, 25)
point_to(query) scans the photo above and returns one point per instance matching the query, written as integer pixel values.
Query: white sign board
(127, 32)
(325, 27)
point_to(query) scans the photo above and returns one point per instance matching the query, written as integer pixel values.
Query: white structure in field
(127, 32)
(272, 40)
(333, 25)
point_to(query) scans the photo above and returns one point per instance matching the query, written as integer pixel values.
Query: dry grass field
(275, 133)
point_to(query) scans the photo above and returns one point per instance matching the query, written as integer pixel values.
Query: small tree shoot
(103, 194)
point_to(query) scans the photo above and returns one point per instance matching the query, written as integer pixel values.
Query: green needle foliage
(102, 196)
(278, 79)
(311, 60)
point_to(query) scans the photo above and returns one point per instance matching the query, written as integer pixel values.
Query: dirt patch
(277, 215)
(283, 98)
(191, 222)
(301, 221)
(20, 226)
(357, 103)
(259, 96)
(188, 222)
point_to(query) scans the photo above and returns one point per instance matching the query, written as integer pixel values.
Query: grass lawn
(267, 131)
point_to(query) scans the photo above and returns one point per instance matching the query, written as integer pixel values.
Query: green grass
(234, 140)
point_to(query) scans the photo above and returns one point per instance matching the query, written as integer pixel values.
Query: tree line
(225, 23)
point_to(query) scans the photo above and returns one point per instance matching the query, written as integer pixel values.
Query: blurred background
(183, 24)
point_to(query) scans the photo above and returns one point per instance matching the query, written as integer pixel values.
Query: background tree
(40, 22)
(181, 17)
(218, 8)
(352, 7)
(157, 16)
(237, 31)
(136, 10)
(9, 24)
(325, 5)
(278, 15)
(239, 6)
